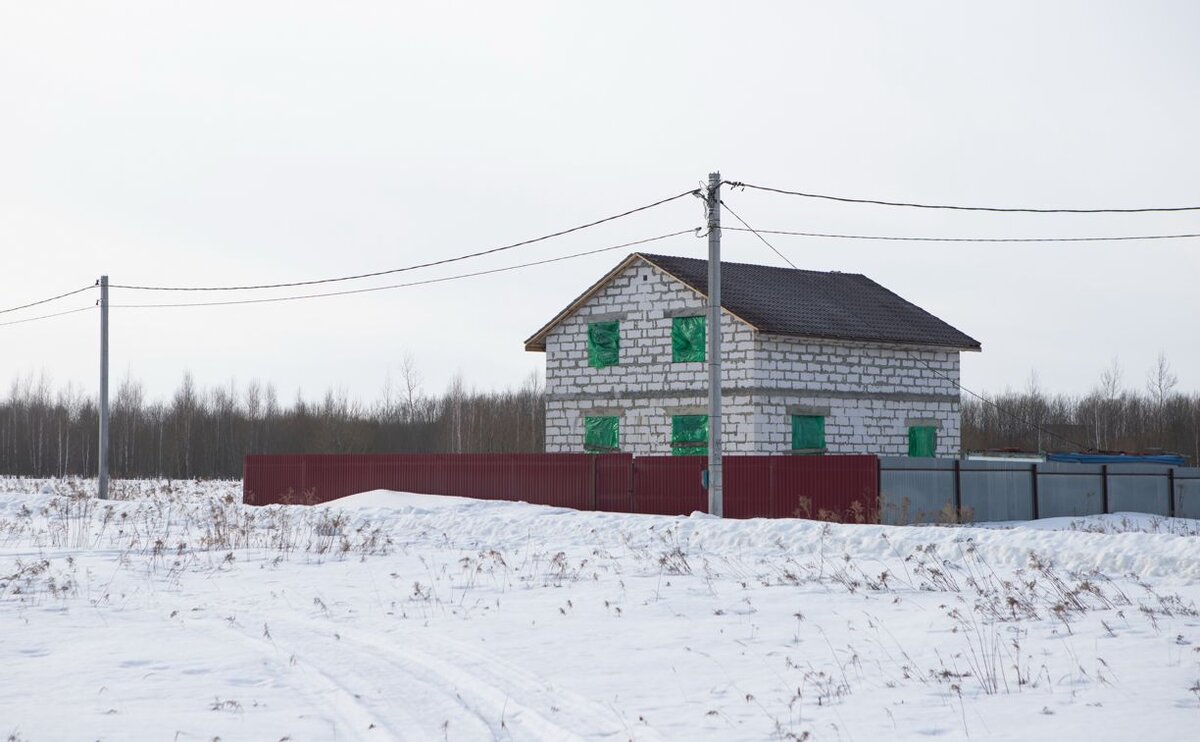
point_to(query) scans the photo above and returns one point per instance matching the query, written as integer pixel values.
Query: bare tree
(127, 411)
(411, 378)
(1160, 380)
(456, 404)
(184, 408)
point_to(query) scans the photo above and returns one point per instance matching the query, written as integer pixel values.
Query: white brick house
(813, 362)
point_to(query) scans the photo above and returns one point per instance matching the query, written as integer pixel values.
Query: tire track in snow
(368, 700)
(502, 679)
(345, 708)
(479, 695)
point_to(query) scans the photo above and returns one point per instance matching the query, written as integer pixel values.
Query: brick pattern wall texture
(869, 394)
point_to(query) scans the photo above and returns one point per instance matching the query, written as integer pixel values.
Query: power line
(923, 362)
(46, 316)
(47, 301)
(844, 199)
(1119, 238)
(748, 228)
(408, 284)
(430, 264)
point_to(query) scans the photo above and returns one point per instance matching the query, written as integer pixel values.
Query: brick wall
(869, 394)
(646, 388)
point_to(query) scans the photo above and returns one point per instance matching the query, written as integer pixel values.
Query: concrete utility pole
(716, 502)
(103, 454)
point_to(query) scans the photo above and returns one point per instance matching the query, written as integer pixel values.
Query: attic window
(688, 340)
(604, 344)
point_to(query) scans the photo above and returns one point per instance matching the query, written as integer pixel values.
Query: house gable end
(537, 341)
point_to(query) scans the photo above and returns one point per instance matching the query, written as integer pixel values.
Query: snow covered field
(179, 614)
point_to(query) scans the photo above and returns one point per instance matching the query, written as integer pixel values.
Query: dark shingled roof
(812, 304)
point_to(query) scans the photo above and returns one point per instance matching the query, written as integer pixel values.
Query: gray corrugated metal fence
(941, 490)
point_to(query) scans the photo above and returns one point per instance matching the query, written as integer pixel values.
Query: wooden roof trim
(698, 292)
(889, 344)
(537, 341)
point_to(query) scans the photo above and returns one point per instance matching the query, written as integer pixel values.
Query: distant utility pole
(103, 457)
(716, 503)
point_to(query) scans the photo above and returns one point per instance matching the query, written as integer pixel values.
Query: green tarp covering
(601, 434)
(808, 432)
(604, 344)
(922, 442)
(687, 339)
(689, 435)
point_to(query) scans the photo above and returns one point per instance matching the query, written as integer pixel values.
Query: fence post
(595, 484)
(633, 498)
(879, 488)
(1104, 486)
(958, 490)
(1171, 492)
(1034, 473)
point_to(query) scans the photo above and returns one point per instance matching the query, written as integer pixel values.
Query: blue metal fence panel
(996, 490)
(1139, 488)
(1187, 492)
(1069, 490)
(915, 490)
(1165, 459)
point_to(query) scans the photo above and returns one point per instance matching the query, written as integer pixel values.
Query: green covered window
(687, 339)
(604, 344)
(922, 441)
(601, 434)
(808, 433)
(689, 435)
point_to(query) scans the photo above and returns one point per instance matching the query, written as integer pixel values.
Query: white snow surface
(176, 613)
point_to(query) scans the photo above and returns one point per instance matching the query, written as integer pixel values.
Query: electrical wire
(1120, 238)
(430, 264)
(844, 199)
(408, 284)
(46, 316)
(47, 301)
(924, 363)
(748, 228)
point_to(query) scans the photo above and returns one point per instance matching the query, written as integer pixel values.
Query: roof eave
(536, 343)
(976, 348)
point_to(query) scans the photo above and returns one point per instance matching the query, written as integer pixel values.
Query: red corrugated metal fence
(669, 485)
(842, 488)
(579, 481)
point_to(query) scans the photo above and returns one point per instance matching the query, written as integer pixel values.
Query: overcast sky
(231, 143)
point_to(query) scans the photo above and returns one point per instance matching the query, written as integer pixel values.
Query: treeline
(206, 432)
(1111, 417)
(1131, 423)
